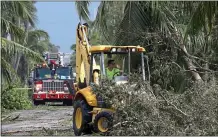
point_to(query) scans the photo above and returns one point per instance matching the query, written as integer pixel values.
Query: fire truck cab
(49, 81)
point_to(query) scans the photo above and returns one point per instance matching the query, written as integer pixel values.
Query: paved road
(46, 119)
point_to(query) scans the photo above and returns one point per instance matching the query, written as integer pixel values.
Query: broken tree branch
(175, 107)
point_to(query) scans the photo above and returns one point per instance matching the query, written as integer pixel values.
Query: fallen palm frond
(143, 110)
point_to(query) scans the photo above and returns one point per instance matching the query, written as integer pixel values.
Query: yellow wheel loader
(90, 112)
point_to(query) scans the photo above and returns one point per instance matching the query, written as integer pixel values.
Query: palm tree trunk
(23, 69)
(188, 61)
(17, 63)
(191, 68)
(16, 56)
(19, 55)
(189, 64)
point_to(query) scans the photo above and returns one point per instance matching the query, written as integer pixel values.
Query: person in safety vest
(112, 70)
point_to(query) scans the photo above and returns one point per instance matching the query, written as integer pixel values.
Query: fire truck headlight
(65, 88)
(38, 87)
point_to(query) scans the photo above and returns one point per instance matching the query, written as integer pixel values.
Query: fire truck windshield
(43, 73)
(53, 56)
(63, 73)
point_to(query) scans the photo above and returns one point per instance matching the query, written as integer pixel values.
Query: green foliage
(13, 98)
(16, 16)
(203, 17)
(22, 44)
(82, 8)
(107, 22)
(13, 47)
(95, 38)
(73, 61)
(153, 25)
(73, 47)
(15, 13)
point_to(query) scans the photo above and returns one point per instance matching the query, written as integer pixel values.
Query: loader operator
(112, 70)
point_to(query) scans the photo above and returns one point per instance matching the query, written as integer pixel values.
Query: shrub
(15, 99)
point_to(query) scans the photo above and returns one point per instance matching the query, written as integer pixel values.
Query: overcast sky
(60, 20)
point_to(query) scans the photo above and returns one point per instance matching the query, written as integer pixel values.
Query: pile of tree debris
(146, 111)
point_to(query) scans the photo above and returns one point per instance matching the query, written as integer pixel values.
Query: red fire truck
(50, 81)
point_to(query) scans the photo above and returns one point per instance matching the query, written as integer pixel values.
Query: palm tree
(36, 40)
(203, 17)
(15, 19)
(83, 11)
(158, 17)
(8, 48)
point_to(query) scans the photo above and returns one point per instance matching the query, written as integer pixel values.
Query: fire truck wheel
(103, 122)
(67, 102)
(42, 102)
(36, 103)
(81, 117)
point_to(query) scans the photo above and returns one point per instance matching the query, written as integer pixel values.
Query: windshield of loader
(123, 63)
(118, 66)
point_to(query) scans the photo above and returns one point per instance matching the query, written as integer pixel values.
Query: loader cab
(124, 56)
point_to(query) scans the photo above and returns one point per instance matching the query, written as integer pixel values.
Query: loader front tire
(81, 117)
(103, 122)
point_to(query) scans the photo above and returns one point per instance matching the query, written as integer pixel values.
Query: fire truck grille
(54, 86)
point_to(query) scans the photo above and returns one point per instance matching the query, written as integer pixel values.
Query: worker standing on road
(112, 70)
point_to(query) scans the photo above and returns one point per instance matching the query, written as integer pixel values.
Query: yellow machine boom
(83, 57)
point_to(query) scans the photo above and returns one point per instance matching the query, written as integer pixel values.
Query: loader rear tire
(81, 117)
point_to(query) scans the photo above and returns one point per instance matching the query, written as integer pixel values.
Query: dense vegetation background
(22, 45)
(181, 42)
(180, 37)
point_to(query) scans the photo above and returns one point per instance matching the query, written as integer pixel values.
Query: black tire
(36, 103)
(86, 117)
(67, 102)
(42, 102)
(109, 118)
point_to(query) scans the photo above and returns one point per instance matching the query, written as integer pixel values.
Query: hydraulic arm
(83, 57)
